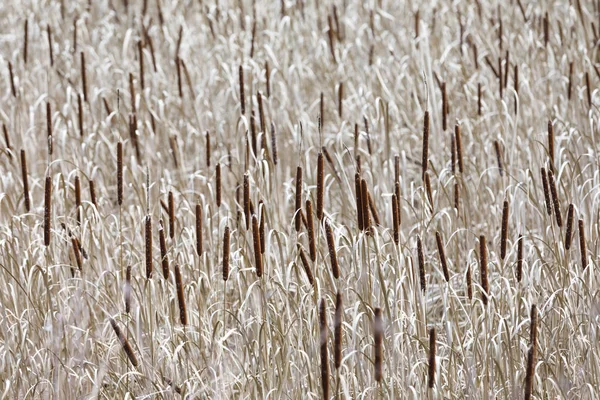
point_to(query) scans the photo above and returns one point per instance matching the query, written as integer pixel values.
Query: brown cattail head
(456, 195)
(396, 168)
(520, 258)
(469, 283)
(306, 265)
(425, 159)
(261, 226)
(148, 247)
(551, 146)
(92, 192)
(546, 191)
(499, 157)
(479, 98)
(421, 259)
(80, 114)
(483, 261)
(359, 206)
(298, 208)
(171, 215)
(431, 374)
(47, 210)
(207, 149)
(378, 336)
(127, 290)
(120, 173)
(340, 99)
(179, 80)
(570, 87)
(78, 199)
(226, 239)
(83, 77)
(25, 40)
(398, 199)
(569, 233)
(444, 107)
(365, 206)
(257, 252)
(247, 199)
(274, 144)
(555, 201)
(504, 232)
(582, 246)
(25, 181)
(442, 254)
(395, 219)
(531, 355)
(589, 89)
(459, 148)
(49, 126)
(199, 245)
(7, 140)
(268, 78)
(124, 343)
(163, 250)
(312, 246)
(218, 184)
(320, 185)
(337, 326)
(242, 95)
(77, 252)
(332, 252)
(180, 296)
(324, 352)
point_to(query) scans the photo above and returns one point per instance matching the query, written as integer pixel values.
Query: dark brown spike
(332, 252)
(531, 354)
(442, 254)
(80, 115)
(268, 78)
(483, 269)
(421, 259)
(431, 370)
(261, 226)
(479, 99)
(378, 342)
(499, 157)
(395, 220)
(7, 140)
(83, 77)
(50, 49)
(504, 231)
(242, 95)
(92, 192)
(164, 257)
(311, 231)
(171, 203)
(456, 195)
(179, 80)
(359, 207)
(337, 329)
(373, 209)
(324, 352)
(469, 283)
(298, 207)
(274, 144)
(306, 265)
(25, 181)
(570, 86)
(398, 200)
(459, 148)
(47, 210)
(49, 126)
(120, 173)
(180, 296)
(365, 206)
(582, 246)
(520, 258)
(546, 191)
(207, 149)
(13, 88)
(25, 40)
(261, 112)
(141, 64)
(320, 185)
(148, 236)
(444, 107)
(589, 89)
(569, 233)
(124, 343)
(257, 247)
(78, 199)
(247, 200)
(551, 146)
(77, 252)
(555, 201)
(341, 99)
(226, 239)
(331, 36)
(127, 290)
(218, 185)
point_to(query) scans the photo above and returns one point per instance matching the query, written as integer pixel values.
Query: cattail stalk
(589, 89)
(242, 95)
(50, 49)
(120, 173)
(247, 199)
(171, 215)
(395, 219)
(180, 296)
(257, 249)
(164, 257)
(431, 371)
(324, 351)
(49, 127)
(312, 246)
(47, 210)
(442, 254)
(148, 237)
(124, 343)
(582, 246)
(298, 208)
(261, 226)
(359, 206)
(459, 148)
(13, 88)
(320, 185)
(504, 232)
(378, 339)
(25, 181)
(306, 265)
(332, 252)
(483, 261)
(337, 331)
(78, 199)
(83, 77)
(546, 191)
(7, 140)
(555, 201)
(421, 259)
(551, 146)
(425, 159)
(218, 184)
(226, 239)
(520, 258)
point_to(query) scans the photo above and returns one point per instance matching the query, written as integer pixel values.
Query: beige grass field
(299, 199)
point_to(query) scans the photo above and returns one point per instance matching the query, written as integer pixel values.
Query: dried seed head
(257, 252)
(218, 184)
(395, 219)
(337, 326)
(431, 374)
(127, 290)
(520, 258)
(442, 254)
(25, 181)
(47, 210)
(312, 246)
(199, 244)
(171, 215)
(320, 185)
(332, 252)
(247, 199)
(569, 233)
(298, 208)
(582, 245)
(459, 148)
(180, 296)
(124, 343)
(378, 339)
(425, 158)
(92, 192)
(555, 201)
(324, 352)
(483, 261)
(242, 95)
(469, 283)
(504, 233)
(551, 146)
(546, 191)
(163, 250)
(421, 259)
(306, 265)
(226, 239)
(359, 206)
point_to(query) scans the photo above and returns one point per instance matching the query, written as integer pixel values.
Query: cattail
(257, 249)
(274, 144)
(261, 226)
(469, 283)
(78, 199)
(421, 259)
(297, 216)
(242, 95)
(226, 235)
(582, 248)
(398, 199)
(141, 64)
(442, 254)
(180, 297)
(444, 107)
(7, 140)
(311, 231)
(546, 191)
(500, 78)
(76, 251)
(554, 193)
(47, 210)
(320, 185)
(25, 181)
(365, 205)
(516, 85)
(359, 207)
(337, 331)
(218, 185)
(80, 115)
(128, 290)
(332, 252)
(546, 30)
(268, 78)
(207, 149)
(456, 195)
(171, 215)
(340, 99)
(179, 80)
(124, 343)
(483, 260)
(569, 233)
(25, 41)
(306, 265)
(356, 137)
(12, 80)
(589, 89)
(49, 126)
(427, 182)
(531, 354)
(83, 77)
(120, 173)
(148, 237)
(378, 336)
(479, 99)
(431, 374)
(164, 257)
(51, 52)
(324, 352)
(570, 87)
(520, 258)
(504, 232)
(247, 200)
(425, 159)
(92, 192)
(395, 220)
(373, 209)
(261, 113)
(459, 149)
(499, 157)
(551, 146)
